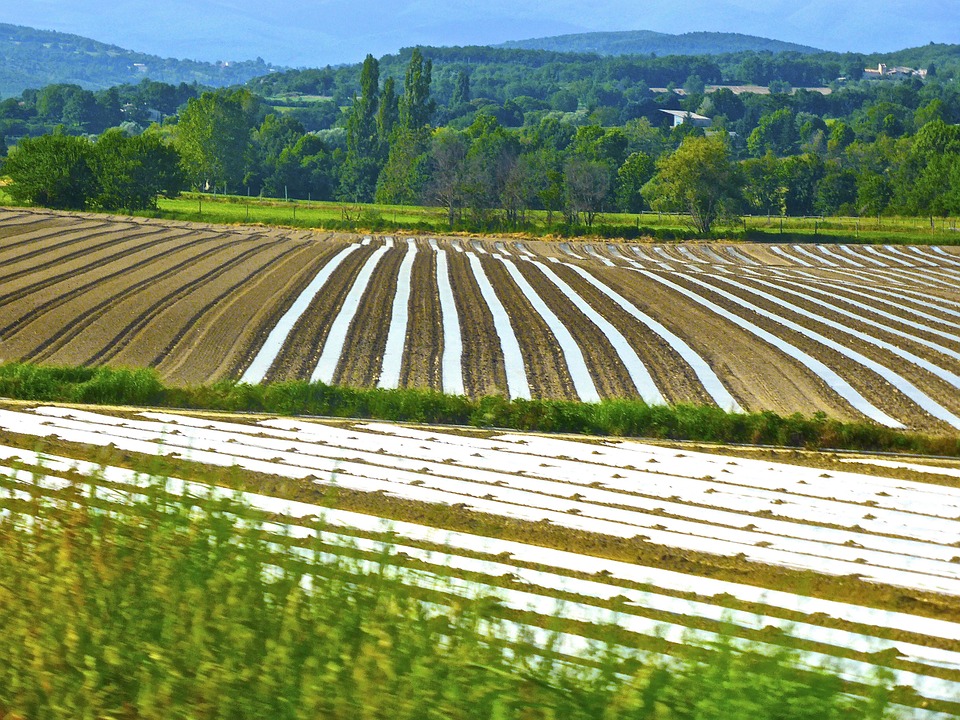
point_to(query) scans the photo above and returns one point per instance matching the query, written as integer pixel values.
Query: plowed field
(854, 331)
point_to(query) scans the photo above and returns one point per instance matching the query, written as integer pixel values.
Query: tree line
(866, 149)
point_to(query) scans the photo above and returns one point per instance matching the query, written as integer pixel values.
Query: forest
(490, 134)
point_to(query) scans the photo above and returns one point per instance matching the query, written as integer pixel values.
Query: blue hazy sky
(320, 32)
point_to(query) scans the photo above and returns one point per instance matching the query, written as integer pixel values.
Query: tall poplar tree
(364, 148)
(416, 106)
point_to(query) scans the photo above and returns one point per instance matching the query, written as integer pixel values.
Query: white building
(685, 116)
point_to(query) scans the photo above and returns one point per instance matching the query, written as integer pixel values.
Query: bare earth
(197, 302)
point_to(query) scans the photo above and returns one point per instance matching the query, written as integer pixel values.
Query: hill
(32, 58)
(647, 42)
(342, 31)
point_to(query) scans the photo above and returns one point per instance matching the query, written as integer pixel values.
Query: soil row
(229, 324)
(874, 388)
(91, 322)
(361, 357)
(423, 348)
(299, 355)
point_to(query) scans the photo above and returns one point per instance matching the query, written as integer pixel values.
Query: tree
(764, 190)
(365, 151)
(633, 174)
(402, 178)
(461, 89)
(132, 172)
(388, 113)
(698, 178)
(800, 175)
(416, 106)
(777, 132)
(586, 184)
(51, 170)
(213, 136)
(448, 170)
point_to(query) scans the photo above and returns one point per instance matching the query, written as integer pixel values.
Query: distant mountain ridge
(646, 42)
(31, 58)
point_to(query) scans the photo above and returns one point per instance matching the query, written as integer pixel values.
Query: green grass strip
(621, 418)
(174, 608)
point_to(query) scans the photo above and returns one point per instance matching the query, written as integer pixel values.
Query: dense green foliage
(174, 607)
(492, 135)
(624, 417)
(116, 172)
(34, 58)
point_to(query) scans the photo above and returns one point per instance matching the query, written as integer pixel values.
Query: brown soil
(675, 379)
(758, 375)
(30, 276)
(606, 368)
(483, 368)
(33, 322)
(225, 334)
(362, 354)
(142, 341)
(543, 359)
(96, 318)
(423, 349)
(298, 358)
(874, 388)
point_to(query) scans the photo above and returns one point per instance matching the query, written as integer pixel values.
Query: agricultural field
(854, 331)
(849, 560)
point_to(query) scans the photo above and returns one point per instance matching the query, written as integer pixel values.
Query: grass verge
(176, 607)
(623, 418)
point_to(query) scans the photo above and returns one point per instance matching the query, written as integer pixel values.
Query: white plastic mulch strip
(631, 361)
(550, 581)
(829, 376)
(218, 449)
(906, 310)
(522, 249)
(931, 518)
(902, 319)
(399, 318)
(576, 364)
(517, 384)
(922, 278)
(862, 256)
(945, 256)
(688, 255)
(307, 429)
(642, 254)
(903, 292)
(592, 252)
(777, 250)
(843, 259)
(740, 256)
(278, 336)
(901, 254)
(451, 363)
(333, 346)
(895, 261)
(923, 400)
(936, 370)
(657, 250)
(679, 478)
(816, 258)
(705, 374)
